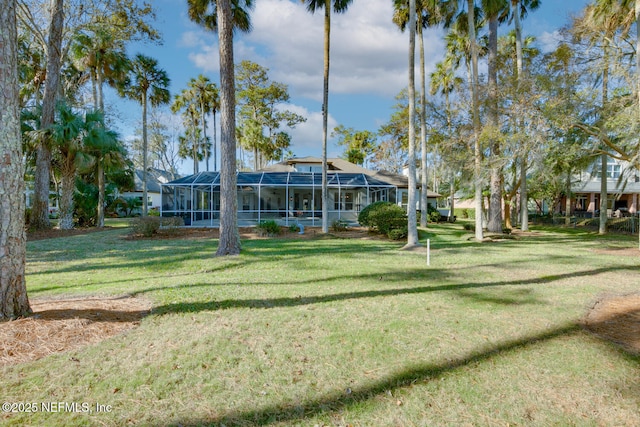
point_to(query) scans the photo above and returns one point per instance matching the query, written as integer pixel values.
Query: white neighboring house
(155, 179)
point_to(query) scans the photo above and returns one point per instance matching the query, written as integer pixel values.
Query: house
(155, 179)
(289, 192)
(623, 191)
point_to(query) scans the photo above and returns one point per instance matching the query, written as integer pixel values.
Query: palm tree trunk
(524, 197)
(101, 190)
(229, 242)
(145, 149)
(67, 187)
(477, 153)
(495, 200)
(423, 132)
(412, 235)
(40, 207)
(325, 114)
(215, 143)
(14, 302)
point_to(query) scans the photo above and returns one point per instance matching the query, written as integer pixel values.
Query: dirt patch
(59, 325)
(617, 319)
(618, 251)
(55, 232)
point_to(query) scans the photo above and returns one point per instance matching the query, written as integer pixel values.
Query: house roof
(340, 165)
(155, 178)
(300, 179)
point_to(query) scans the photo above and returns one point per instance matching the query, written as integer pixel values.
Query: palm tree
(187, 101)
(444, 80)
(147, 84)
(339, 6)
(226, 15)
(14, 302)
(68, 135)
(105, 60)
(207, 97)
(200, 98)
(107, 151)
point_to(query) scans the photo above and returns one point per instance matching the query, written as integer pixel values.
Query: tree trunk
(215, 143)
(229, 243)
(495, 201)
(145, 149)
(325, 115)
(14, 302)
(423, 133)
(567, 203)
(67, 187)
(477, 153)
(40, 206)
(412, 235)
(604, 203)
(101, 191)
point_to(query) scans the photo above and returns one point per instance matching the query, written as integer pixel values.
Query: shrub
(145, 225)
(171, 225)
(383, 217)
(363, 216)
(294, 228)
(339, 225)
(269, 227)
(398, 233)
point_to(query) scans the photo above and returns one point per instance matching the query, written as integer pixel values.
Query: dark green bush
(433, 215)
(268, 227)
(363, 216)
(399, 233)
(145, 225)
(384, 217)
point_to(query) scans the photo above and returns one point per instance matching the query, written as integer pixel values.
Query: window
(614, 170)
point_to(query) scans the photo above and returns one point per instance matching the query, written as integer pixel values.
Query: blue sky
(369, 57)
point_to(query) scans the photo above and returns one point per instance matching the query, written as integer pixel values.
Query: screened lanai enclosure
(286, 197)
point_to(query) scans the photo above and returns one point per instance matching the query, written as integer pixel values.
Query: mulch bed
(59, 325)
(617, 318)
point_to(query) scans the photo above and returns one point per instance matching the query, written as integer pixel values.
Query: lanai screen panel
(197, 197)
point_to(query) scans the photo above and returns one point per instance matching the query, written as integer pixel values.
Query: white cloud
(368, 52)
(549, 40)
(307, 137)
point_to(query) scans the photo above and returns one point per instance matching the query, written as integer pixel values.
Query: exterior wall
(155, 198)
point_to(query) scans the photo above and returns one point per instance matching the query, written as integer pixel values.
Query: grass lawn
(339, 332)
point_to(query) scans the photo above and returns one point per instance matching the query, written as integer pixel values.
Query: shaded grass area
(334, 331)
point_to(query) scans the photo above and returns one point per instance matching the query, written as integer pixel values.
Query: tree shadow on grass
(514, 298)
(341, 399)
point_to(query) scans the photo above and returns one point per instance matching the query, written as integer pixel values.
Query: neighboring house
(155, 179)
(289, 192)
(53, 199)
(623, 196)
